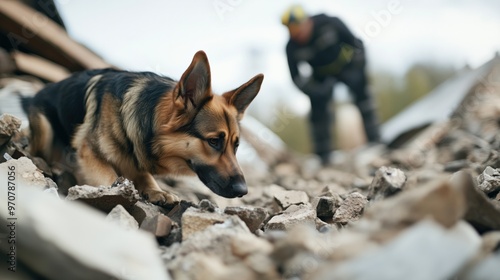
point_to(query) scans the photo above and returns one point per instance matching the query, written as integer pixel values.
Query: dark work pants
(355, 78)
(321, 119)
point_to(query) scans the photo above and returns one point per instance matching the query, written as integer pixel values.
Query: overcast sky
(163, 35)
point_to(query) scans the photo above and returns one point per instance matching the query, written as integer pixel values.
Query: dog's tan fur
(110, 141)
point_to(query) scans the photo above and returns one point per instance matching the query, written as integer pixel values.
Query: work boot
(321, 136)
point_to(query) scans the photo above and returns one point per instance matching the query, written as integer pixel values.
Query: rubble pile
(427, 210)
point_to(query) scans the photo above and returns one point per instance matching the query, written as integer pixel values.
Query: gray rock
(195, 220)
(282, 197)
(438, 200)
(106, 198)
(159, 225)
(332, 190)
(245, 245)
(293, 216)
(286, 198)
(262, 266)
(9, 125)
(326, 205)
(425, 251)
(215, 241)
(176, 213)
(199, 266)
(120, 217)
(301, 251)
(175, 236)
(350, 209)
(302, 238)
(65, 240)
(207, 205)
(490, 244)
(52, 191)
(487, 269)
(456, 165)
(301, 265)
(25, 173)
(252, 216)
(324, 227)
(143, 209)
(387, 181)
(480, 211)
(489, 180)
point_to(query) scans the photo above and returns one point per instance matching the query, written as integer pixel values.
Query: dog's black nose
(238, 186)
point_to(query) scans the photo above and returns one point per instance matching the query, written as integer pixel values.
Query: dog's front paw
(162, 198)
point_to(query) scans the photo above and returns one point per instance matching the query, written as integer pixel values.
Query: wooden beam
(40, 67)
(25, 26)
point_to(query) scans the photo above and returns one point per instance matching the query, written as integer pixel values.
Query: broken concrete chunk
(106, 198)
(42, 165)
(195, 220)
(176, 213)
(144, 209)
(489, 180)
(350, 209)
(326, 205)
(25, 174)
(214, 240)
(245, 245)
(301, 248)
(441, 256)
(63, 240)
(438, 200)
(291, 217)
(160, 225)
(252, 216)
(490, 245)
(120, 217)
(323, 226)
(286, 198)
(457, 165)
(388, 181)
(175, 236)
(52, 192)
(207, 205)
(9, 125)
(200, 266)
(485, 270)
(482, 213)
(263, 266)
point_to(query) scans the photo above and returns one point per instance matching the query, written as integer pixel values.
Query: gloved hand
(319, 89)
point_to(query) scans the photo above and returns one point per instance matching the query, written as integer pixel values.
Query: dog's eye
(236, 145)
(215, 143)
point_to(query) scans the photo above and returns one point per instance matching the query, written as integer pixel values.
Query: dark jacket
(330, 48)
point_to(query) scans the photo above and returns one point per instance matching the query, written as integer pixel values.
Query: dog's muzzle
(229, 187)
(238, 186)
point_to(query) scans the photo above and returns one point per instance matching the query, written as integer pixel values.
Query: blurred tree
(388, 92)
(294, 130)
(418, 83)
(394, 93)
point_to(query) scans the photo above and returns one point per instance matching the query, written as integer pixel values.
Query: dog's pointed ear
(241, 97)
(194, 87)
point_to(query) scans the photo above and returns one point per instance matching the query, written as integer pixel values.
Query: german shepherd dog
(139, 124)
